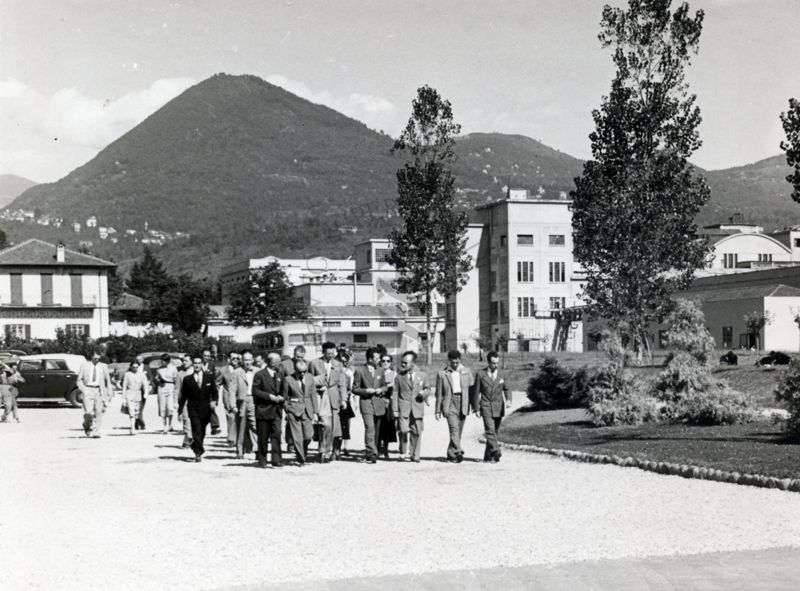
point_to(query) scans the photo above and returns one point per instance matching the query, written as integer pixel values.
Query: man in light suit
(94, 382)
(453, 402)
(228, 381)
(491, 397)
(200, 395)
(302, 408)
(287, 369)
(331, 382)
(246, 436)
(267, 389)
(409, 397)
(369, 386)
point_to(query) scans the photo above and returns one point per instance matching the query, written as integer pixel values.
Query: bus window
(296, 339)
(312, 339)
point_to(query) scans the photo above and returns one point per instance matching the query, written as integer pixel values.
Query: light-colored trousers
(455, 424)
(411, 432)
(94, 406)
(246, 434)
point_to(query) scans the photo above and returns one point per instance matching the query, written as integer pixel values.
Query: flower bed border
(667, 468)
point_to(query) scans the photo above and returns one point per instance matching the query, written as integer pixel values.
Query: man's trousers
(269, 435)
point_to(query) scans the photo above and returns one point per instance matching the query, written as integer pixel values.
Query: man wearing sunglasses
(409, 398)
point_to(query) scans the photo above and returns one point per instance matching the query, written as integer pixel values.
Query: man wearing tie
(210, 367)
(246, 440)
(94, 382)
(228, 379)
(491, 397)
(267, 387)
(199, 394)
(331, 382)
(409, 397)
(302, 408)
(368, 385)
(453, 402)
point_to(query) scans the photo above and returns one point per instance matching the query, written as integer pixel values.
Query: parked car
(6, 353)
(49, 377)
(775, 358)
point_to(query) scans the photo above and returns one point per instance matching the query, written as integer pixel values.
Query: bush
(788, 392)
(555, 386)
(617, 396)
(717, 405)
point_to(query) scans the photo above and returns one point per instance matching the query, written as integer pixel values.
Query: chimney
(60, 252)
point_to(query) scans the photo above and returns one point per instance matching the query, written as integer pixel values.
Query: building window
(727, 337)
(493, 281)
(558, 303)
(797, 242)
(557, 240)
(77, 330)
(493, 311)
(503, 312)
(360, 339)
(382, 254)
(730, 260)
(558, 272)
(450, 310)
(76, 289)
(503, 240)
(526, 308)
(525, 239)
(765, 258)
(359, 323)
(525, 271)
(331, 323)
(21, 331)
(16, 289)
(388, 323)
(47, 289)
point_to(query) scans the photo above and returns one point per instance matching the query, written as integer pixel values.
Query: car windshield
(55, 364)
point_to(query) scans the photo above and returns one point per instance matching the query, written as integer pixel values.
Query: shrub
(555, 386)
(788, 392)
(616, 396)
(717, 405)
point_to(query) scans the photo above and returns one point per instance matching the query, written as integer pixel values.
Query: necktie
(199, 379)
(94, 374)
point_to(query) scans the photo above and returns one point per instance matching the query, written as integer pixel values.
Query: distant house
(44, 287)
(91, 222)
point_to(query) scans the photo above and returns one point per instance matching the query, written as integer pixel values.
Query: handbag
(124, 408)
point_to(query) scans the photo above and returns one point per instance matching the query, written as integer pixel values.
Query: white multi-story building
(522, 251)
(44, 287)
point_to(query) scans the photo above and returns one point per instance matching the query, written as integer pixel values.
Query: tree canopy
(791, 126)
(267, 299)
(429, 247)
(634, 205)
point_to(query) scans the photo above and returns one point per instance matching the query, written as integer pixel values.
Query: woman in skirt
(134, 391)
(346, 413)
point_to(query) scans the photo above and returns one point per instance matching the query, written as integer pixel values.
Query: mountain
(11, 187)
(235, 167)
(759, 191)
(247, 168)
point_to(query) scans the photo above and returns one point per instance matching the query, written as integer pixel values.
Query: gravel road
(127, 512)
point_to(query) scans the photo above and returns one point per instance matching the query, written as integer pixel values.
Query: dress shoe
(459, 458)
(216, 431)
(496, 457)
(198, 459)
(416, 460)
(345, 452)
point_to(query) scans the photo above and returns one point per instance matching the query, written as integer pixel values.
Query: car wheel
(75, 398)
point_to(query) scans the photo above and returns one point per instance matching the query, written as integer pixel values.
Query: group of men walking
(267, 398)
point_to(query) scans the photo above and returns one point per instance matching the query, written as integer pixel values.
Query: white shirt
(328, 366)
(271, 372)
(248, 377)
(455, 376)
(94, 381)
(493, 374)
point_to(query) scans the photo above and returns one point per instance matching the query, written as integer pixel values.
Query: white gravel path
(122, 513)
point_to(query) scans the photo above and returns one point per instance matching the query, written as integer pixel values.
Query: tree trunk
(428, 343)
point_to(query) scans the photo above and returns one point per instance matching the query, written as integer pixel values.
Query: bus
(283, 339)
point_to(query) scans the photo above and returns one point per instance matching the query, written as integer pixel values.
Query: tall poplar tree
(429, 247)
(634, 205)
(791, 125)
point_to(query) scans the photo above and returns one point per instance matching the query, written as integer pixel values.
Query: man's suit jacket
(444, 391)
(335, 383)
(369, 404)
(406, 394)
(198, 397)
(300, 397)
(228, 384)
(103, 378)
(490, 395)
(240, 379)
(287, 367)
(265, 386)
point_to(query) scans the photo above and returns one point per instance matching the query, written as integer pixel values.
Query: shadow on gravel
(178, 458)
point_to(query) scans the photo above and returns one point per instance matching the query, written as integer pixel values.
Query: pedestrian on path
(246, 435)
(409, 398)
(9, 378)
(166, 378)
(492, 397)
(347, 413)
(370, 388)
(200, 395)
(453, 402)
(134, 390)
(267, 388)
(302, 408)
(184, 371)
(94, 382)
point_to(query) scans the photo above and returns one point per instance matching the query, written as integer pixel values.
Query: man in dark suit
(210, 367)
(302, 408)
(491, 397)
(331, 382)
(453, 386)
(267, 388)
(409, 397)
(369, 386)
(200, 395)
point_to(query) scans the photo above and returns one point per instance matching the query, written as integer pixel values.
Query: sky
(77, 74)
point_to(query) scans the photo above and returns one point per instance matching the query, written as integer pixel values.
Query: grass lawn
(755, 448)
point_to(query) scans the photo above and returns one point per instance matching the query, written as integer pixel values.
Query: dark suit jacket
(198, 398)
(490, 395)
(369, 404)
(264, 387)
(300, 397)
